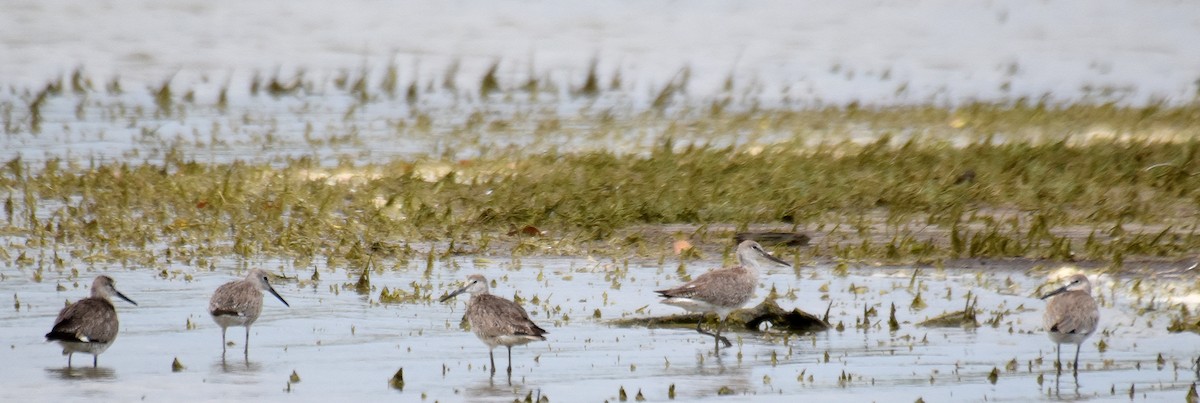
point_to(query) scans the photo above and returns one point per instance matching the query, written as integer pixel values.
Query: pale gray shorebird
(497, 321)
(1071, 316)
(238, 303)
(723, 290)
(89, 325)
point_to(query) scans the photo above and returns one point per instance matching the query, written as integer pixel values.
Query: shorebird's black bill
(453, 294)
(776, 260)
(271, 290)
(1060, 290)
(122, 296)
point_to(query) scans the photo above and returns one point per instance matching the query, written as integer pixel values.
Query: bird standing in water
(497, 321)
(238, 303)
(89, 325)
(1071, 316)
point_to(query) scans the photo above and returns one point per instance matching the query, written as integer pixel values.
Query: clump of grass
(391, 79)
(591, 83)
(677, 85)
(449, 79)
(80, 84)
(35, 109)
(278, 87)
(163, 97)
(489, 84)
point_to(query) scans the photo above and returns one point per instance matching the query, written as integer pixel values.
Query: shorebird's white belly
(695, 305)
(87, 348)
(232, 320)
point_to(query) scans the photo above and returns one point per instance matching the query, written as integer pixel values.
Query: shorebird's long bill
(122, 296)
(775, 259)
(271, 290)
(453, 294)
(1060, 290)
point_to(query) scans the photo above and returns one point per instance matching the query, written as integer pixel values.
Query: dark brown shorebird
(238, 303)
(497, 321)
(1071, 316)
(89, 325)
(723, 290)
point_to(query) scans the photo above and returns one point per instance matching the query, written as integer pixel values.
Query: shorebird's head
(1076, 282)
(106, 287)
(474, 285)
(750, 253)
(262, 280)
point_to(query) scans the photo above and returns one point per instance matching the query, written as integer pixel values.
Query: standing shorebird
(1071, 316)
(238, 303)
(497, 321)
(89, 325)
(722, 290)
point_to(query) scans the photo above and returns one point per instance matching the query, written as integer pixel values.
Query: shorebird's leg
(1077, 358)
(721, 338)
(492, 356)
(700, 329)
(716, 336)
(246, 348)
(1058, 361)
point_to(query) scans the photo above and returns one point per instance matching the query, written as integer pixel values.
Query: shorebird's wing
(729, 286)
(237, 298)
(90, 320)
(493, 315)
(1072, 313)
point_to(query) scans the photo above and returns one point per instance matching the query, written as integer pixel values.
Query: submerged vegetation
(1108, 200)
(546, 167)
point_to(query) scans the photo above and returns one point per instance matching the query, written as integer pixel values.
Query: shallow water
(346, 346)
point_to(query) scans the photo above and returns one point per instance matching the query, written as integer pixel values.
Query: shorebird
(722, 290)
(1071, 316)
(497, 321)
(238, 303)
(89, 325)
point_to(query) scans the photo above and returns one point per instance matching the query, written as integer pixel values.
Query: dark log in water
(795, 321)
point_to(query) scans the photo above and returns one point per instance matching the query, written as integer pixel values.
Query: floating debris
(397, 381)
(893, 324)
(680, 246)
(527, 231)
(964, 318)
